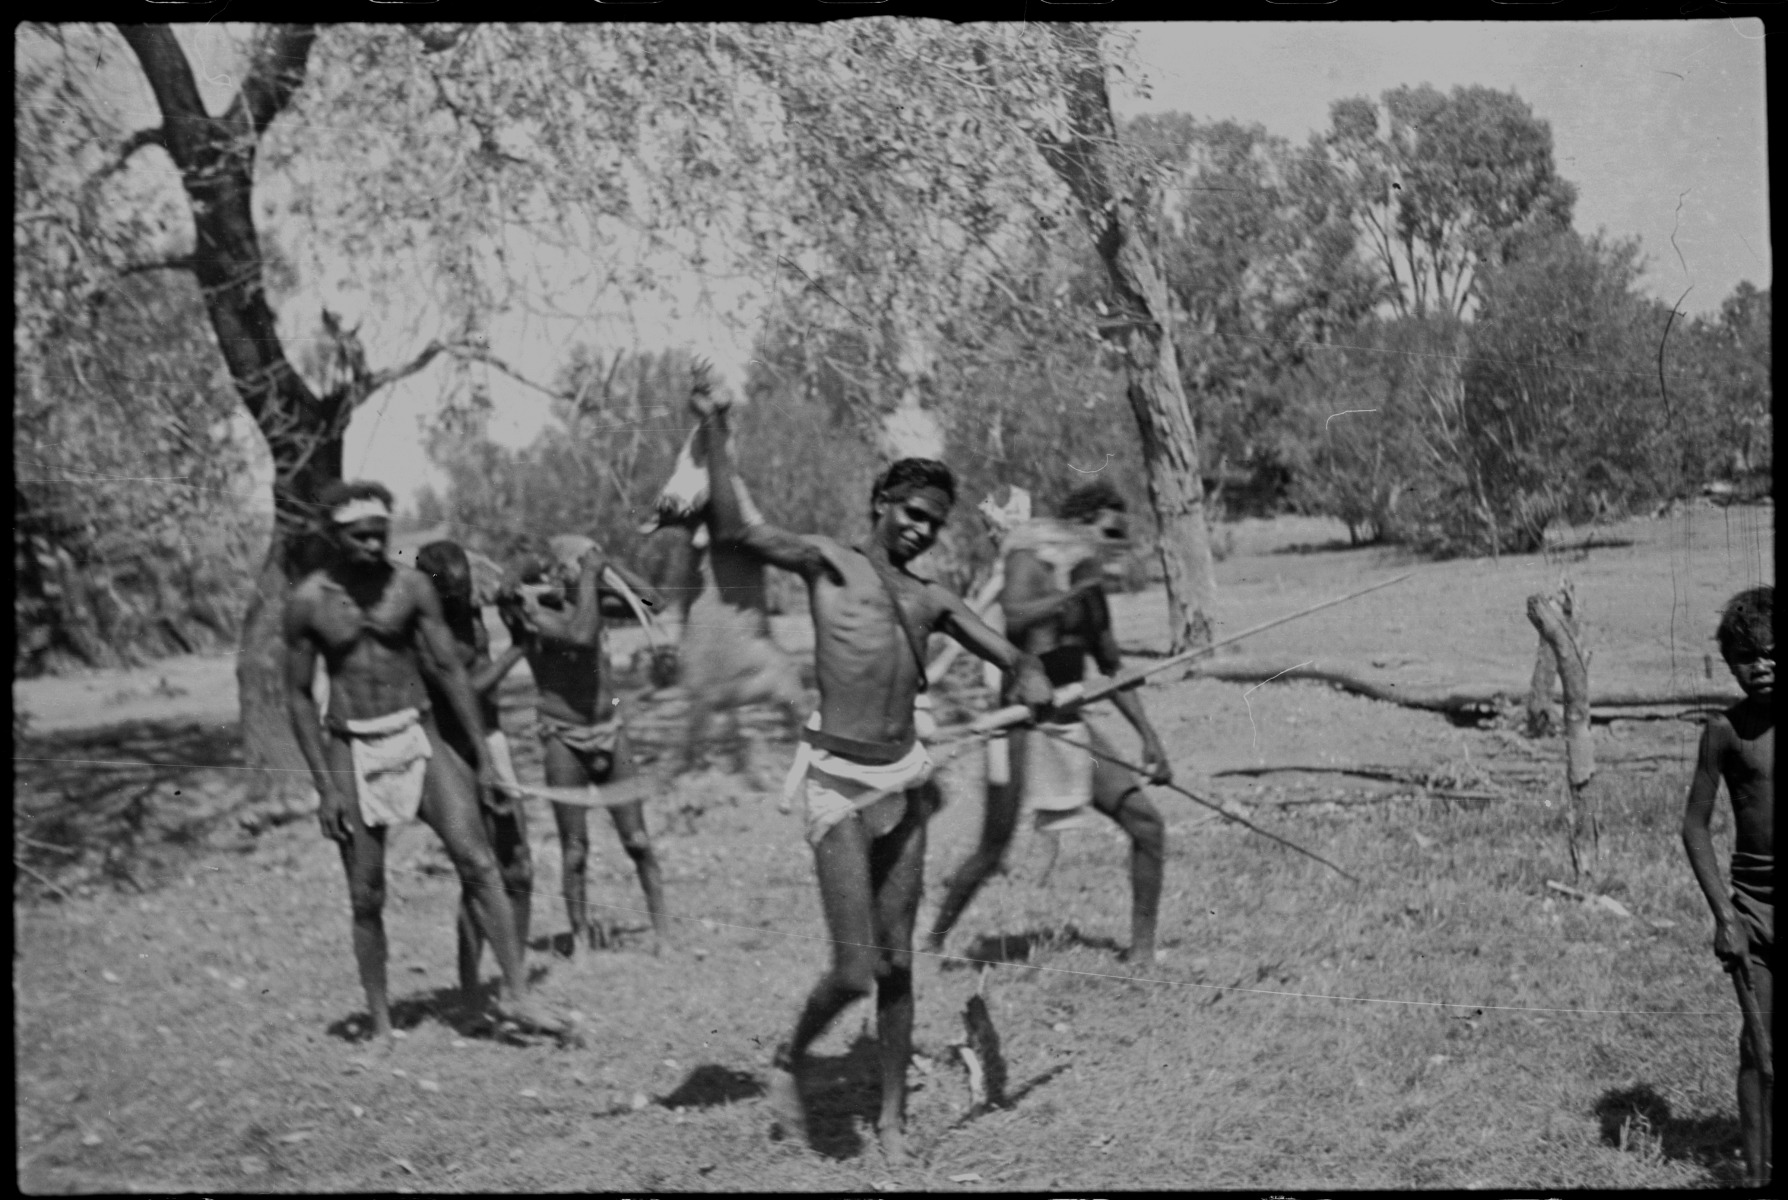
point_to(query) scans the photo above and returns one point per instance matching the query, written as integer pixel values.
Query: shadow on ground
(842, 1095)
(1022, 947)
(711, 1086)
(1631, 1116)
(124, 805)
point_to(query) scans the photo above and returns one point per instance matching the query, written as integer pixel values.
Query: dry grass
(1449, 1023)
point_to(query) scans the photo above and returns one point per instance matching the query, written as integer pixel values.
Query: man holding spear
(1054, 606)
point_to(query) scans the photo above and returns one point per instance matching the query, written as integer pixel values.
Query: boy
(1739, 747)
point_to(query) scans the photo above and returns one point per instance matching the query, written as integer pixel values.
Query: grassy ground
(1448, 1023)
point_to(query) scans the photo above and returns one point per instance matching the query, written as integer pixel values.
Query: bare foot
(893, 1141)
(531, 1017)
(787, 1114)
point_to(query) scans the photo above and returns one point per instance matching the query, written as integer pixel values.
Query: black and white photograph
(858, 603)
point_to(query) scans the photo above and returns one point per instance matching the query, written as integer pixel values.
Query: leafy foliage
(129, 532)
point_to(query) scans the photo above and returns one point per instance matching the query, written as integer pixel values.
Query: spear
(1197, 799)
(1076, 695)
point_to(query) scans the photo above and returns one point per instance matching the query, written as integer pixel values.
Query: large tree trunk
(215, 157)
(1114, 202)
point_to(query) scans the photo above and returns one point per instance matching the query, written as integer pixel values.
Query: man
(379, 629)
(868, 789)
(445, 564)
(581, 731)
(1739, 746)
(1063, 621)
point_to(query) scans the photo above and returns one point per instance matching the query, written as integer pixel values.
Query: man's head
(909, 505)
(1747, 637)
(1099, 505)
(446, 564)
(356, 520)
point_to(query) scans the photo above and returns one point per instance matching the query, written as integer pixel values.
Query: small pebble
(356, 1110)
(459, 1043)
(400, 1072)
(428, 1085)
(238, 983)
(1060, 1027)
(108, 977)
(91, 1139)
(528, 1094)
(639, 1101)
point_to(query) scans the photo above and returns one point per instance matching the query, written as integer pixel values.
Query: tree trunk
(1580, 758)
(215, 157)
(1545, 670)
(1116, 207)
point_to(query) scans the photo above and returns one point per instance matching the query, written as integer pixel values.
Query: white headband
(356, 510)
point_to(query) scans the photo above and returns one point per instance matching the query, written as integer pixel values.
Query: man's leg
(897, 877)
(1118, 794)
(1755, 1096)
(630, 824)
(363, 859)
(450, 806)
(997, 829)
(841, 863)
(565, 769)
(508, 837)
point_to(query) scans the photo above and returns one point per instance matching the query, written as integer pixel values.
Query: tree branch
(275, 70)
(390, 375)
(126, 150)
(185, 262)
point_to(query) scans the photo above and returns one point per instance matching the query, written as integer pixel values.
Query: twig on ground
(41, 878)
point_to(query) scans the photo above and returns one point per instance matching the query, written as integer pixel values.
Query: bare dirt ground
(185, 999)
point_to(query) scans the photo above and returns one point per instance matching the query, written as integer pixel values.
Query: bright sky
(1661, 125)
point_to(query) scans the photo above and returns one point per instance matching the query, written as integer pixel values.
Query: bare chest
(340, 620)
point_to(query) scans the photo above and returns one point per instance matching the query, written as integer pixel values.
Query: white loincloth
(391, 756)
(834, 787)
(1056, 778)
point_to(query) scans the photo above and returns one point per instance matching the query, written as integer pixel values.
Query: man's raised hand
(702, 396)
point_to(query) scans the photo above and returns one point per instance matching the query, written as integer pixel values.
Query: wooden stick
(1580, 757)
(1196, 799)
(616, 795)
(1076, 695)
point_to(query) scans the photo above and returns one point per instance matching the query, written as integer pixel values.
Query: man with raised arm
(1056, 609)
(1739, 748)
(582, 735)
(378, 758)
(446, 565)
(868, 787)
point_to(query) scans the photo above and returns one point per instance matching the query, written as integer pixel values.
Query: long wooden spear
(1076, 695)
(1197, 799)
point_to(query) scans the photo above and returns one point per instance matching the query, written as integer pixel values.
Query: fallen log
(1453, 698)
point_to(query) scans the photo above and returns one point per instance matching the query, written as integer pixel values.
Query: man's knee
(1141, 820)
(367, 900)
(638, 846)
(857, 977)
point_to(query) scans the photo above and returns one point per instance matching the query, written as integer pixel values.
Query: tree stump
(1580, 760)
(1540, 720)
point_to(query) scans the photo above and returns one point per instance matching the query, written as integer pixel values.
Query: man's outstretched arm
(1030, 682)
